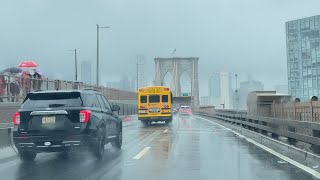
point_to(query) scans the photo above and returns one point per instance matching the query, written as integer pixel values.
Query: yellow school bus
(154, 104)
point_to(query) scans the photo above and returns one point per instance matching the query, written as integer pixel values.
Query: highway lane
(191, 148)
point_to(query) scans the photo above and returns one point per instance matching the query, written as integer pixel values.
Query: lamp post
(98, 27)
(236, 91)
(75, 64)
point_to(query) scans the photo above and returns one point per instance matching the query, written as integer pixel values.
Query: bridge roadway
(191, 148)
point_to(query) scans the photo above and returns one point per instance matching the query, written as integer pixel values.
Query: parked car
(61, 121)
(185, 111)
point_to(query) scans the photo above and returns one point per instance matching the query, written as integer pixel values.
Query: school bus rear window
(154, 98)
(143, 99)
(165, 98)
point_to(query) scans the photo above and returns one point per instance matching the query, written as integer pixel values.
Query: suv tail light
(85, 115)
(16, 118)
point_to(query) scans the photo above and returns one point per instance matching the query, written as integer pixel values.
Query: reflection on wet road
(189, 149)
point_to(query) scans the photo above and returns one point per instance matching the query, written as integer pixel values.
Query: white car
(185, 110)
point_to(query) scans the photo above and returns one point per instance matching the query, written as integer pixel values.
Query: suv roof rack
(38, 90)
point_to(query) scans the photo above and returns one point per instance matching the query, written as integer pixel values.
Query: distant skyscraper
(133, 84)
(124, 82)
(113, 84)
(303, 57)
(283, 89)
(204, 100)
(86, 72)
(245, 88)
(220, 90)
(214, 85)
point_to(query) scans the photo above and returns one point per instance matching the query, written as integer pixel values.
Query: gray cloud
(239, 36)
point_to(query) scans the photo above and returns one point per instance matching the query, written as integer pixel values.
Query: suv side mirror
(115, 108)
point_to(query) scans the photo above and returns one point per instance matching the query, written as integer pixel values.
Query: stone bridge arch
(177, 66)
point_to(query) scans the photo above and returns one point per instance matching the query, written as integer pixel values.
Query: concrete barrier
(302, 156)
(5, 137)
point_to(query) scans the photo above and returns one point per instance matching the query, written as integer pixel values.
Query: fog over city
(237, 36)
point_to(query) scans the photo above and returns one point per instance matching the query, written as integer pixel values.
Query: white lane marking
(285, 158)
(165, 131)
(141, 153)
(204, 132)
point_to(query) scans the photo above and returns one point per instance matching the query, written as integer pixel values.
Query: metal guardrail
(277, 127)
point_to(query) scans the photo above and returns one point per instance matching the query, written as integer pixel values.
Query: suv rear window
(46, 100)
(90, 100)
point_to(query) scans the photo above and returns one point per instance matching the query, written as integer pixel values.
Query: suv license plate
(48, 120)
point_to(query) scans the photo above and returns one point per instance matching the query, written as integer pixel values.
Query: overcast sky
(238, 36)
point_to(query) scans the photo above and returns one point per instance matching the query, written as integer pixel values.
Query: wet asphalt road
(191, 148)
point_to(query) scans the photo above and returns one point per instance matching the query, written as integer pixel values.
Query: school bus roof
(149, 88)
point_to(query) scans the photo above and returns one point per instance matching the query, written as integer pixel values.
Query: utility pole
(236, 91)
(98, 73)
(139, 64)
(75, 64)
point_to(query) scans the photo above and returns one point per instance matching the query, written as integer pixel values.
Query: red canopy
(28, 64)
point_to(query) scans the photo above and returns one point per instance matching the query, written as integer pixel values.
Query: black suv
(60, 121)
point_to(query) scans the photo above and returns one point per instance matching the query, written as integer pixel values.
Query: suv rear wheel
(27, 156)
(117, 143)
(98, 149)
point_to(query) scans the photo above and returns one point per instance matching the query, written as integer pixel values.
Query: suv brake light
(16, 118)
(85, 115)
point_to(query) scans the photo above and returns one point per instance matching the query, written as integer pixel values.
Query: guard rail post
(292, 141)
(315, 148)
(122, 109)
(127, 109)
(275, 135)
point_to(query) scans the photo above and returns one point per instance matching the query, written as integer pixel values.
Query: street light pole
(237, 96)
(75, 64)
(236, 81)
(137, 64)
(98, 73)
